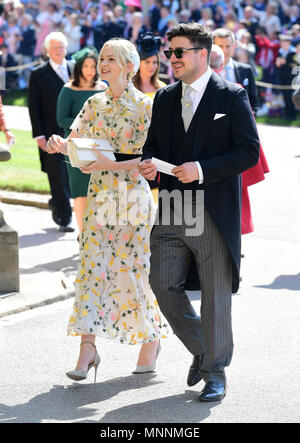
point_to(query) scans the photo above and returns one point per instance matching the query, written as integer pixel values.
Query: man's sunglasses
(178, 52)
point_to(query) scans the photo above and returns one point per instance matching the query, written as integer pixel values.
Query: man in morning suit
(211, 137)
(45, 84)
(234, 71)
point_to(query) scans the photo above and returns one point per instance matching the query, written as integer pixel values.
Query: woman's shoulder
(66, 92)
(100, 87)
(68, 86)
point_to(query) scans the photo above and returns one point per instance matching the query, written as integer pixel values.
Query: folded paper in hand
(163, 166)
(81, 153)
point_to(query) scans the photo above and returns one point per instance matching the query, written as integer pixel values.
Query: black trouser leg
(59, 185)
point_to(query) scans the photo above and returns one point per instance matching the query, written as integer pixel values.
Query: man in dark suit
(7, 60)
(211, 137)
(234, 71)
(45, 84)
(287, 68)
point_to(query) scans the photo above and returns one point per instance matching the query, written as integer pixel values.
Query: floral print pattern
(113, 298)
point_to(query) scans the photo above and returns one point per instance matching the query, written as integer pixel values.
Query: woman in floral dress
(113, 298)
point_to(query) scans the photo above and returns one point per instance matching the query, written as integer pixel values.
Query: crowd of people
(119, 292)
(267, 34)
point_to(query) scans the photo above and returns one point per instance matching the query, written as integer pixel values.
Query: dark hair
(198, 34)
(154, 79)
(78, 69)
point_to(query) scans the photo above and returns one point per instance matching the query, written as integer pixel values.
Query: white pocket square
(246, 82)
(218, 116)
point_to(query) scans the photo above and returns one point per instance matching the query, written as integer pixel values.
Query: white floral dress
(113, 298)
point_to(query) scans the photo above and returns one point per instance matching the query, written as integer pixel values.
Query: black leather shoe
(194, 375)
(213, 391)
(66, 228)
(55, 216)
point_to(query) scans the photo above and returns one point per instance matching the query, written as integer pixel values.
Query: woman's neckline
(69, 86)
(86, 90)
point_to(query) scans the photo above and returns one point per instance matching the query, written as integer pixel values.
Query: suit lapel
(171, 117)
(70, 67)
(53, 80)
(237, 73)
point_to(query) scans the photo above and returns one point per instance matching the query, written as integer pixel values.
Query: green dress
(69, 104)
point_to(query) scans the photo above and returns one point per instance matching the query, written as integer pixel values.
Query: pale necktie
(187, 107)
(63, 73)
(227, 73)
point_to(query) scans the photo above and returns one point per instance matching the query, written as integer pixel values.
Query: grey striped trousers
(208, 335)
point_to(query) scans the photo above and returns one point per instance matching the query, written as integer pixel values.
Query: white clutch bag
(81, 154)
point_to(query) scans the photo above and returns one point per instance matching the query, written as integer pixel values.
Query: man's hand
(187, 172)
(280, 61)
(42, 143)
(10, 138)
(147, 169)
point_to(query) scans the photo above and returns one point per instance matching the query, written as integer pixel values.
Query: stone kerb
(9, 248)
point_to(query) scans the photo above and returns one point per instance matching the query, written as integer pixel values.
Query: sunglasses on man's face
(178, 52)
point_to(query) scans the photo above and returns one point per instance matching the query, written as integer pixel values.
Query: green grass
(23, 172)
(15, 97)
(278, 121)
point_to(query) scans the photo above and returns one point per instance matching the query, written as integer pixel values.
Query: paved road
(263, 379)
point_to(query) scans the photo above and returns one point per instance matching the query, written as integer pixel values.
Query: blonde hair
(124, 52)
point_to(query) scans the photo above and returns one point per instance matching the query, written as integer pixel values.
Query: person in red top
(266, 54)
(10, 138)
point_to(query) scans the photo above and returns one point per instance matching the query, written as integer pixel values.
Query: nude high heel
(140, 369)
(82, 375)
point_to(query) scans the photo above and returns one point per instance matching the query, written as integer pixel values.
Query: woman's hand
(10, 138)
(101, 164)
(147, 169)
(56, 144)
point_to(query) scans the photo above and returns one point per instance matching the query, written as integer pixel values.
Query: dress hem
(125, 342)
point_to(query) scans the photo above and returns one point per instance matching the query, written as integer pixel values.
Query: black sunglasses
(178, 52)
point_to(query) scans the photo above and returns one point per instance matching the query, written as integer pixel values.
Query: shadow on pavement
(194, 295)
(182, 408)
(70, 403)
(49, 235)
(65, 265)
(291, 282)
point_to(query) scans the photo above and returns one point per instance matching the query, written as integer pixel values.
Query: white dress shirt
(198, 89)
(61, 70)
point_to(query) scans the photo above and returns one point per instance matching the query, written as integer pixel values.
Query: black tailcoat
(225, 147)
(43, 91)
